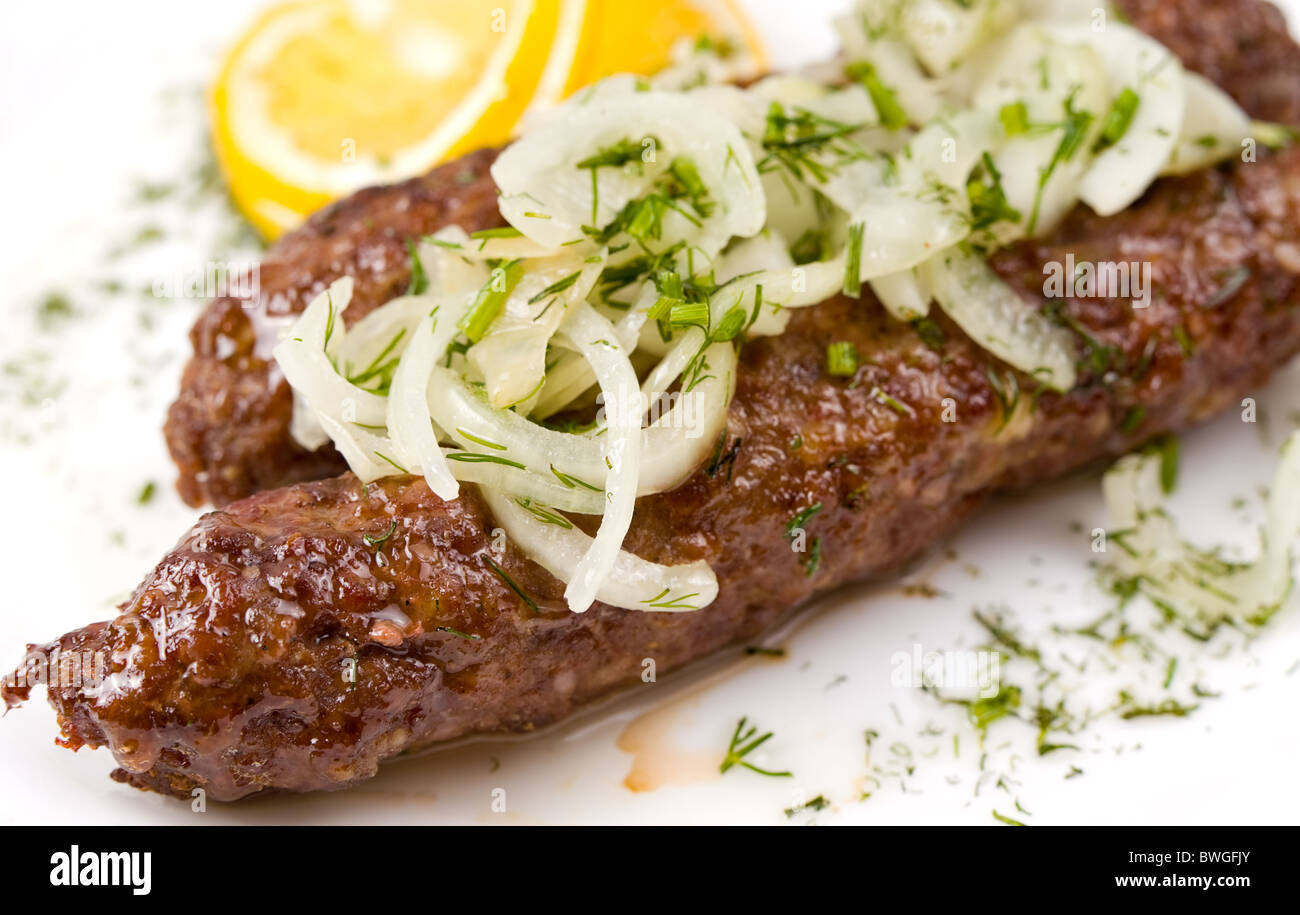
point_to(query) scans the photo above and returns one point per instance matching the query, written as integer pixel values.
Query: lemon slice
(322, 97)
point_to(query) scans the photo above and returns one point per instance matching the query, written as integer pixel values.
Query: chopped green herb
(510, 583)
(377, 542)
(813, 560)
(663, 601)
(743, 742)
(817, 803)
(53, 309)
(481, 441)
(801, 519)
(497, 232)
(1233, 280)
(842, 359)
(1074, 129)
(988, 202)
(809, 248)
(1171, 707)
(556, 287)
(545, 515)
(732, 323)
(490, 300)
(723, 457)
(463, 635)
(571, 481)
(389, 460)
(885, 99)
(690, 314)
(1167, 448)
(1119, 120)
(853, 260)
(419, 280)
(1006, 390)
(1133, 420)
(931, 333)
(805, 144)
(1014, 118)
(624, 152)
(882, 396)
(473, 457)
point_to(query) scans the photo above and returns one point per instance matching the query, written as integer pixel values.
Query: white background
(95, 98)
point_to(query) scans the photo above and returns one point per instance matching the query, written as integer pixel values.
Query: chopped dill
(853, 260)
(419, 279)
(801, 519)
(816, 804)
(1118, 120)
(806, 144)
(495, 446)
(457, 632)
(474, 457)
(664, 601)
(1006, 390)
(387, 459)
(510, 583)
(556, 287)
(883, 96)
(490, 300)
(378, 542)
(544, 514)
(743, 742)
(842, 359)
(571, 481)
(723, 457)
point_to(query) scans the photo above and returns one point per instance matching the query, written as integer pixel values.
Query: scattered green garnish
(742, 745)
(842, 359)
(883, 97)
(510, 583)
(490, 299)
(1118, 120)
(377, 542)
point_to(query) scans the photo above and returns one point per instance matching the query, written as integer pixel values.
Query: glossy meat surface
(284, 644)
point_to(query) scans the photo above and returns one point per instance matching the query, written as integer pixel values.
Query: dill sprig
(743, 742)
(510, 583)
(807, 145)
(377, 542)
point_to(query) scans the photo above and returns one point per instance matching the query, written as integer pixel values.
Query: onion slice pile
(585, 354)
(1197, 585)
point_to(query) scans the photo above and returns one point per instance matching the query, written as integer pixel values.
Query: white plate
(118, 103)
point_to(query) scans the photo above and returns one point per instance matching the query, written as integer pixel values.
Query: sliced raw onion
(306, 358)
(633, 583)
(409, 419)
(998, 319)
(904, 294)
(1040, 168)
(592, 336)
(943, 33)
(1197, 584)
(1213, 128)
(549, 199)
(889, 205)
(874, 34)
(511, 358)
(1122, 173)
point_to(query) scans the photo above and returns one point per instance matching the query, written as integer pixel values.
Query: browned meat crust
(228, 430)
(264, 609)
